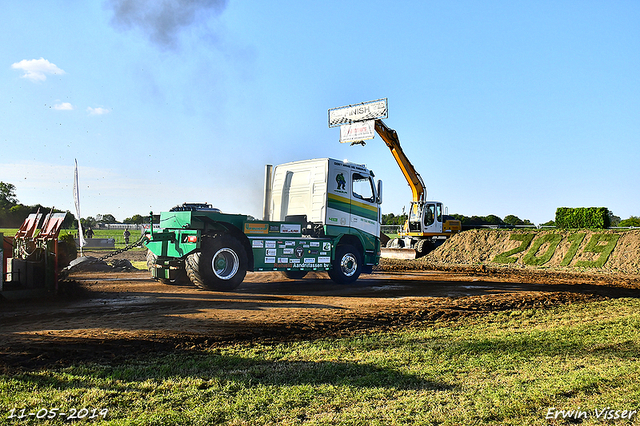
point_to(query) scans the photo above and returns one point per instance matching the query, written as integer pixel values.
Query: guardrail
(123, 226)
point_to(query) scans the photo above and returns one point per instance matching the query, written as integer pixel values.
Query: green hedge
(582, 217)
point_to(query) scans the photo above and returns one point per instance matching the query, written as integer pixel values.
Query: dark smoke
(163, 20)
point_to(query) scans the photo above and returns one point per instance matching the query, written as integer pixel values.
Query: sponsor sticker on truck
(288, 228)
(256, 228)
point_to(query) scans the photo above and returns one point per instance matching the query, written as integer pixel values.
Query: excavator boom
(390, 137)
(427, 225)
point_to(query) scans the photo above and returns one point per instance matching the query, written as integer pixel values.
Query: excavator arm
(390, 137)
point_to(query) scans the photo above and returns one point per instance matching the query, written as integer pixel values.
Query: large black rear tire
(221, 265)
(423, 247)
(347, 265)
(395, 243)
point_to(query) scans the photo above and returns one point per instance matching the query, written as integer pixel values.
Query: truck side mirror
(379, 199)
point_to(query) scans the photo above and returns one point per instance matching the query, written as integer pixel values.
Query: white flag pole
(76, 199)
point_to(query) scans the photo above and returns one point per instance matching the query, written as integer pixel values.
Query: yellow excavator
(427, 225)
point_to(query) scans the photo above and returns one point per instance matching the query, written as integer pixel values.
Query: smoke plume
(163, 20)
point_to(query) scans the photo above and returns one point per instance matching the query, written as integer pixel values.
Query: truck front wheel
(347, 265)
(221, 265)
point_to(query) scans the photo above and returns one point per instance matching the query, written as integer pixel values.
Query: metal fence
(123, 226)
(390, 229)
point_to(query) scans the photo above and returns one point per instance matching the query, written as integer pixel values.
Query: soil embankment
(581, 251)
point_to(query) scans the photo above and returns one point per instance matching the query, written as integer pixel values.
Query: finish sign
(358, 112)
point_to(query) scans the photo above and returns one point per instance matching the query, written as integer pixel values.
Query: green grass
(99, 233)
(503, 368)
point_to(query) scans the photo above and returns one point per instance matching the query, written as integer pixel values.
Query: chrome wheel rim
(225, 263)
(349, 265)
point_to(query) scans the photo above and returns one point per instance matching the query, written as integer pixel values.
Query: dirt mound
(94, 264)
(600, 251)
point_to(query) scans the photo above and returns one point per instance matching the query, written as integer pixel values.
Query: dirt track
(106, 316)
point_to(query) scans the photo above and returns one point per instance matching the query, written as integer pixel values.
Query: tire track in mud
(110, 316)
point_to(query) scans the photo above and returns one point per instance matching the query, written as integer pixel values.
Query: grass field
(116, 234)
(510, 368)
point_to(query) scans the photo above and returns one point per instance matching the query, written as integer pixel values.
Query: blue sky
(503, 107)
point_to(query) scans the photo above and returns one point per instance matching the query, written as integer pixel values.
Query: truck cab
(333, 198)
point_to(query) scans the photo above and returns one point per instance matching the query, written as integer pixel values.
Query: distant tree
(550, 223)
(388, 219)
(401, 219)
(138, 219)
(613, 219)
(69, 221)
(392, 219)
(108, 218)
(19, 212)
(7, 195)
(478, 220)
(513, 220)
(516, 221)
(632, 221)
(493, 220)
(462, 218)
(89, 222)
(474, 220)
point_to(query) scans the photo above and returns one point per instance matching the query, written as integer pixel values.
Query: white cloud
(97, 111)
(64, 106)
(37, 69)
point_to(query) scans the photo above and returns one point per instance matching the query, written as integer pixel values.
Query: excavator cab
(425, 218)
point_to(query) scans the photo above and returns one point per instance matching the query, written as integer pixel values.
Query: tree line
(509, 220)
(13, 213)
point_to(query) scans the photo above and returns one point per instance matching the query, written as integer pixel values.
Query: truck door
(364, 208)
(339, 201)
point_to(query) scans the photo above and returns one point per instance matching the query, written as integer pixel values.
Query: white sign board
(360, 112)
(359, 131)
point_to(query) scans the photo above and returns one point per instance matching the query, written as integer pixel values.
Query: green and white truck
(318, 215)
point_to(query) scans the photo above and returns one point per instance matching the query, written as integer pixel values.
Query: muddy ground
(109, 316)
